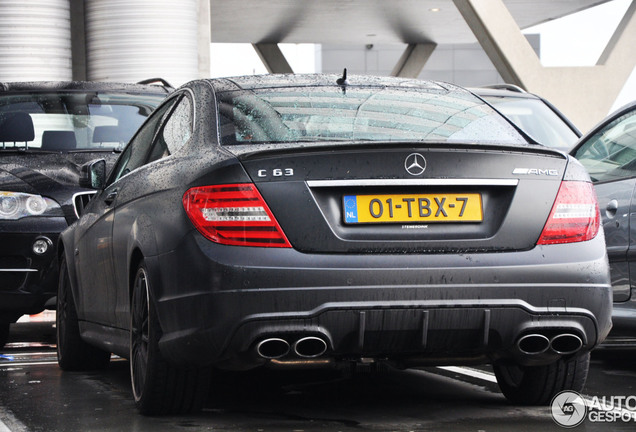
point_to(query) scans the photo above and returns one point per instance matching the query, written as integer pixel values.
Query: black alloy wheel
(139, 334)
(537, 385)
(158, 386)
(73, 354)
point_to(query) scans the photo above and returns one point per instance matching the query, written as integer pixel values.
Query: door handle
(611, 208)
(110, 197)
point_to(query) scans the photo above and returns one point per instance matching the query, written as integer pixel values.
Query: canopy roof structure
(365, 21)
(585, 94)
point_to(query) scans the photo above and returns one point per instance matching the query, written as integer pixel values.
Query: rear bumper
(27, 280)
(217, 303)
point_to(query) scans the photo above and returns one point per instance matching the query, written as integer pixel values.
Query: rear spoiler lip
(255, 151)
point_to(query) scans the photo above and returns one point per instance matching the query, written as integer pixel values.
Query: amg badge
(535, 171)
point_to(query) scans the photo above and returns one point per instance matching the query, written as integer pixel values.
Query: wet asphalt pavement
(35, 395)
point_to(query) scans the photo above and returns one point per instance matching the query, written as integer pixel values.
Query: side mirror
(93, 174)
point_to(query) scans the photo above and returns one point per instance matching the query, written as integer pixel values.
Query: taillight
(574, 216)
(233, 214)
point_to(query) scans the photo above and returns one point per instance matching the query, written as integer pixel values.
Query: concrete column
(413, 59)
(133, 40)
(78, 40)
(205, 38)
(35, 40)
(584, 94)
(272, 57)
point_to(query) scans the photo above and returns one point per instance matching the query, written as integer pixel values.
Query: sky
(579, 40)
(301, 58)
(568, 41)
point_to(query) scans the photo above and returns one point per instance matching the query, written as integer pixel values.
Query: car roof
(254, 82)
(48, 86)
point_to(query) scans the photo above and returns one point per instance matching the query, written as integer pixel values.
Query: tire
(537, 385)
(73, 354)
(4, 333)
(158, 386)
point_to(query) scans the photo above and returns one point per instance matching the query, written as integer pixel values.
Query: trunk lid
(405, 199)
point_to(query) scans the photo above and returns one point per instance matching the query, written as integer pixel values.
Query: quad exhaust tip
(272, 348)
(535, 343)
(310, 347)
(566, 343)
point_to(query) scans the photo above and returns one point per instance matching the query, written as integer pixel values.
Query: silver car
(608, 152)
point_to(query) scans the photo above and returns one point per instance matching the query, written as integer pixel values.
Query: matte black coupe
(319, 221)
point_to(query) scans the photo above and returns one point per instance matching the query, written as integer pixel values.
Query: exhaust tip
(272, 348)
(310, 347)
(566, 343)
(533, 344)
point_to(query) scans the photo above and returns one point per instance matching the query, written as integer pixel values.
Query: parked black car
(534, 115)
(47, 131)
(608, 152)
(315, 220)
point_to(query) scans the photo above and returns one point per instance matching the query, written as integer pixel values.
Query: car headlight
(16, 205)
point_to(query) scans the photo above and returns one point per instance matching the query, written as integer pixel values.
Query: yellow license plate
(412, 208)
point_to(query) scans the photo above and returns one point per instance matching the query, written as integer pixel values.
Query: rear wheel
(73, 353)
(158, 386)
(537, 385)
(4, 332)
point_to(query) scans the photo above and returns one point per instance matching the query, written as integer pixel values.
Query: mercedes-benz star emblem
(415, 164)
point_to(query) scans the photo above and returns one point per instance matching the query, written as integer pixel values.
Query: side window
(610, 154)
(176, 131)
(136, 152)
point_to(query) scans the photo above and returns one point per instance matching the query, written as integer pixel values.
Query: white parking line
(34, 363)
(34, 354)
(485, 376)
(14, 424)
(53, 361)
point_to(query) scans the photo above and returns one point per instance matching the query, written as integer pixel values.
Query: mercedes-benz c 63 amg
(318, 220)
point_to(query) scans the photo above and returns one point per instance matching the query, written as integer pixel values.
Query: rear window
(537, 120)
(283, 115)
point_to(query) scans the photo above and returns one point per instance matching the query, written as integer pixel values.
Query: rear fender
(141, 243)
